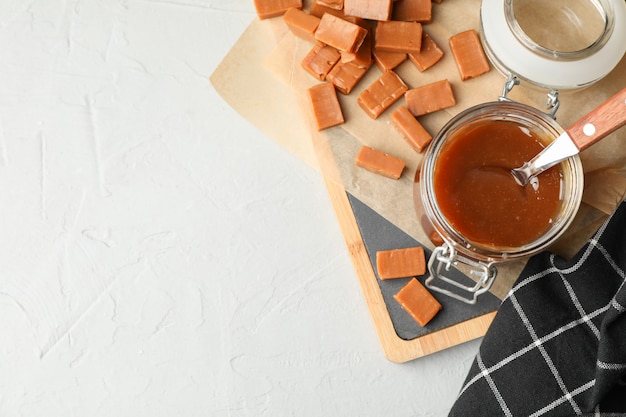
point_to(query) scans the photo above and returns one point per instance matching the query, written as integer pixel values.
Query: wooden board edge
(395, 349)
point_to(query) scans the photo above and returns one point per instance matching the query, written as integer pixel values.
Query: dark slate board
(379, 234)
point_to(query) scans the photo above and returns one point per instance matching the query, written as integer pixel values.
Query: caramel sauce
(477, 194)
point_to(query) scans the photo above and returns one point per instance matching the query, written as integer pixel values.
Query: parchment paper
(262, 78)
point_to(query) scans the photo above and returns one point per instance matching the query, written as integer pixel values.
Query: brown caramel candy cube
(340, 33)
(318, 9)
(301, 23)
(413, 10)
(368, 9)
(388, 60)
(266, 9)
(325, 104)
(320, 60)
(416, 300)
(380, 163)
(428, 56)
(411, 129)
(401, 263)
(396, 36)
(469, 55)
(333, 4)
(362, 57)
(430, 98)
(346, 75)
(381, 94)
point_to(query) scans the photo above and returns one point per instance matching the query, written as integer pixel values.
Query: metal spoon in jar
(605, 119)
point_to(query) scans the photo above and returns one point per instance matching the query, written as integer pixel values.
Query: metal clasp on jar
(440, 265)
(552, 104)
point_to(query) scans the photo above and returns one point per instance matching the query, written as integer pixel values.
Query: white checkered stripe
(557, 346)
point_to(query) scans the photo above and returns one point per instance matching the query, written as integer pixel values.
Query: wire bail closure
(552, 103)
(445, 257)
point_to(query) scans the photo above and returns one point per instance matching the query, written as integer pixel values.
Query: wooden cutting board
(244, 83)
(396, 348)
(241, 72)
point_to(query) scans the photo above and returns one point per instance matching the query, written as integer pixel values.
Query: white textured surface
(159, 256)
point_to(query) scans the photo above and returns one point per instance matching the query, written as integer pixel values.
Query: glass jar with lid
(556, 44)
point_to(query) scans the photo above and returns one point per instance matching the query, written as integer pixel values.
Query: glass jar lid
(558, 44)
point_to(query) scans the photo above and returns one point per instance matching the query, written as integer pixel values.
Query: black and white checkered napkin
(557, 346)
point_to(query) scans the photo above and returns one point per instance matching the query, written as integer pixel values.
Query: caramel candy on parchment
(301, 23)
(410, 128)
(339, 33)
(397, 36)
(326, 109)
(266, 9)
(430, 98)
(469, 55)
(381, 94)
(379, 162)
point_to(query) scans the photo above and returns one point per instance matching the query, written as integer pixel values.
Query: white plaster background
(159, 256)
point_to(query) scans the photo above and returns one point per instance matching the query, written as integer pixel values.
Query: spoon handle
(605, 119)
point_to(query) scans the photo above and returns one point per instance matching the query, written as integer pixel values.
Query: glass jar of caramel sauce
(467, 192)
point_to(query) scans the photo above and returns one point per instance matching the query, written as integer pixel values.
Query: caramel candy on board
(320, 60)
(333, 4)
(418, 302)
(379, 162)
(469, 55)
(413, 10)
(410, 128)
(346, 75)
(368, 9)
(339, 33)
(401, 263)
(301, 23)
(396, 36)
(362, 57)
(325, 104)
(430, 98)
(428, 56)
(388, 60)
(381, 94)
(266, 9)
(357, 21)
(318, 9)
